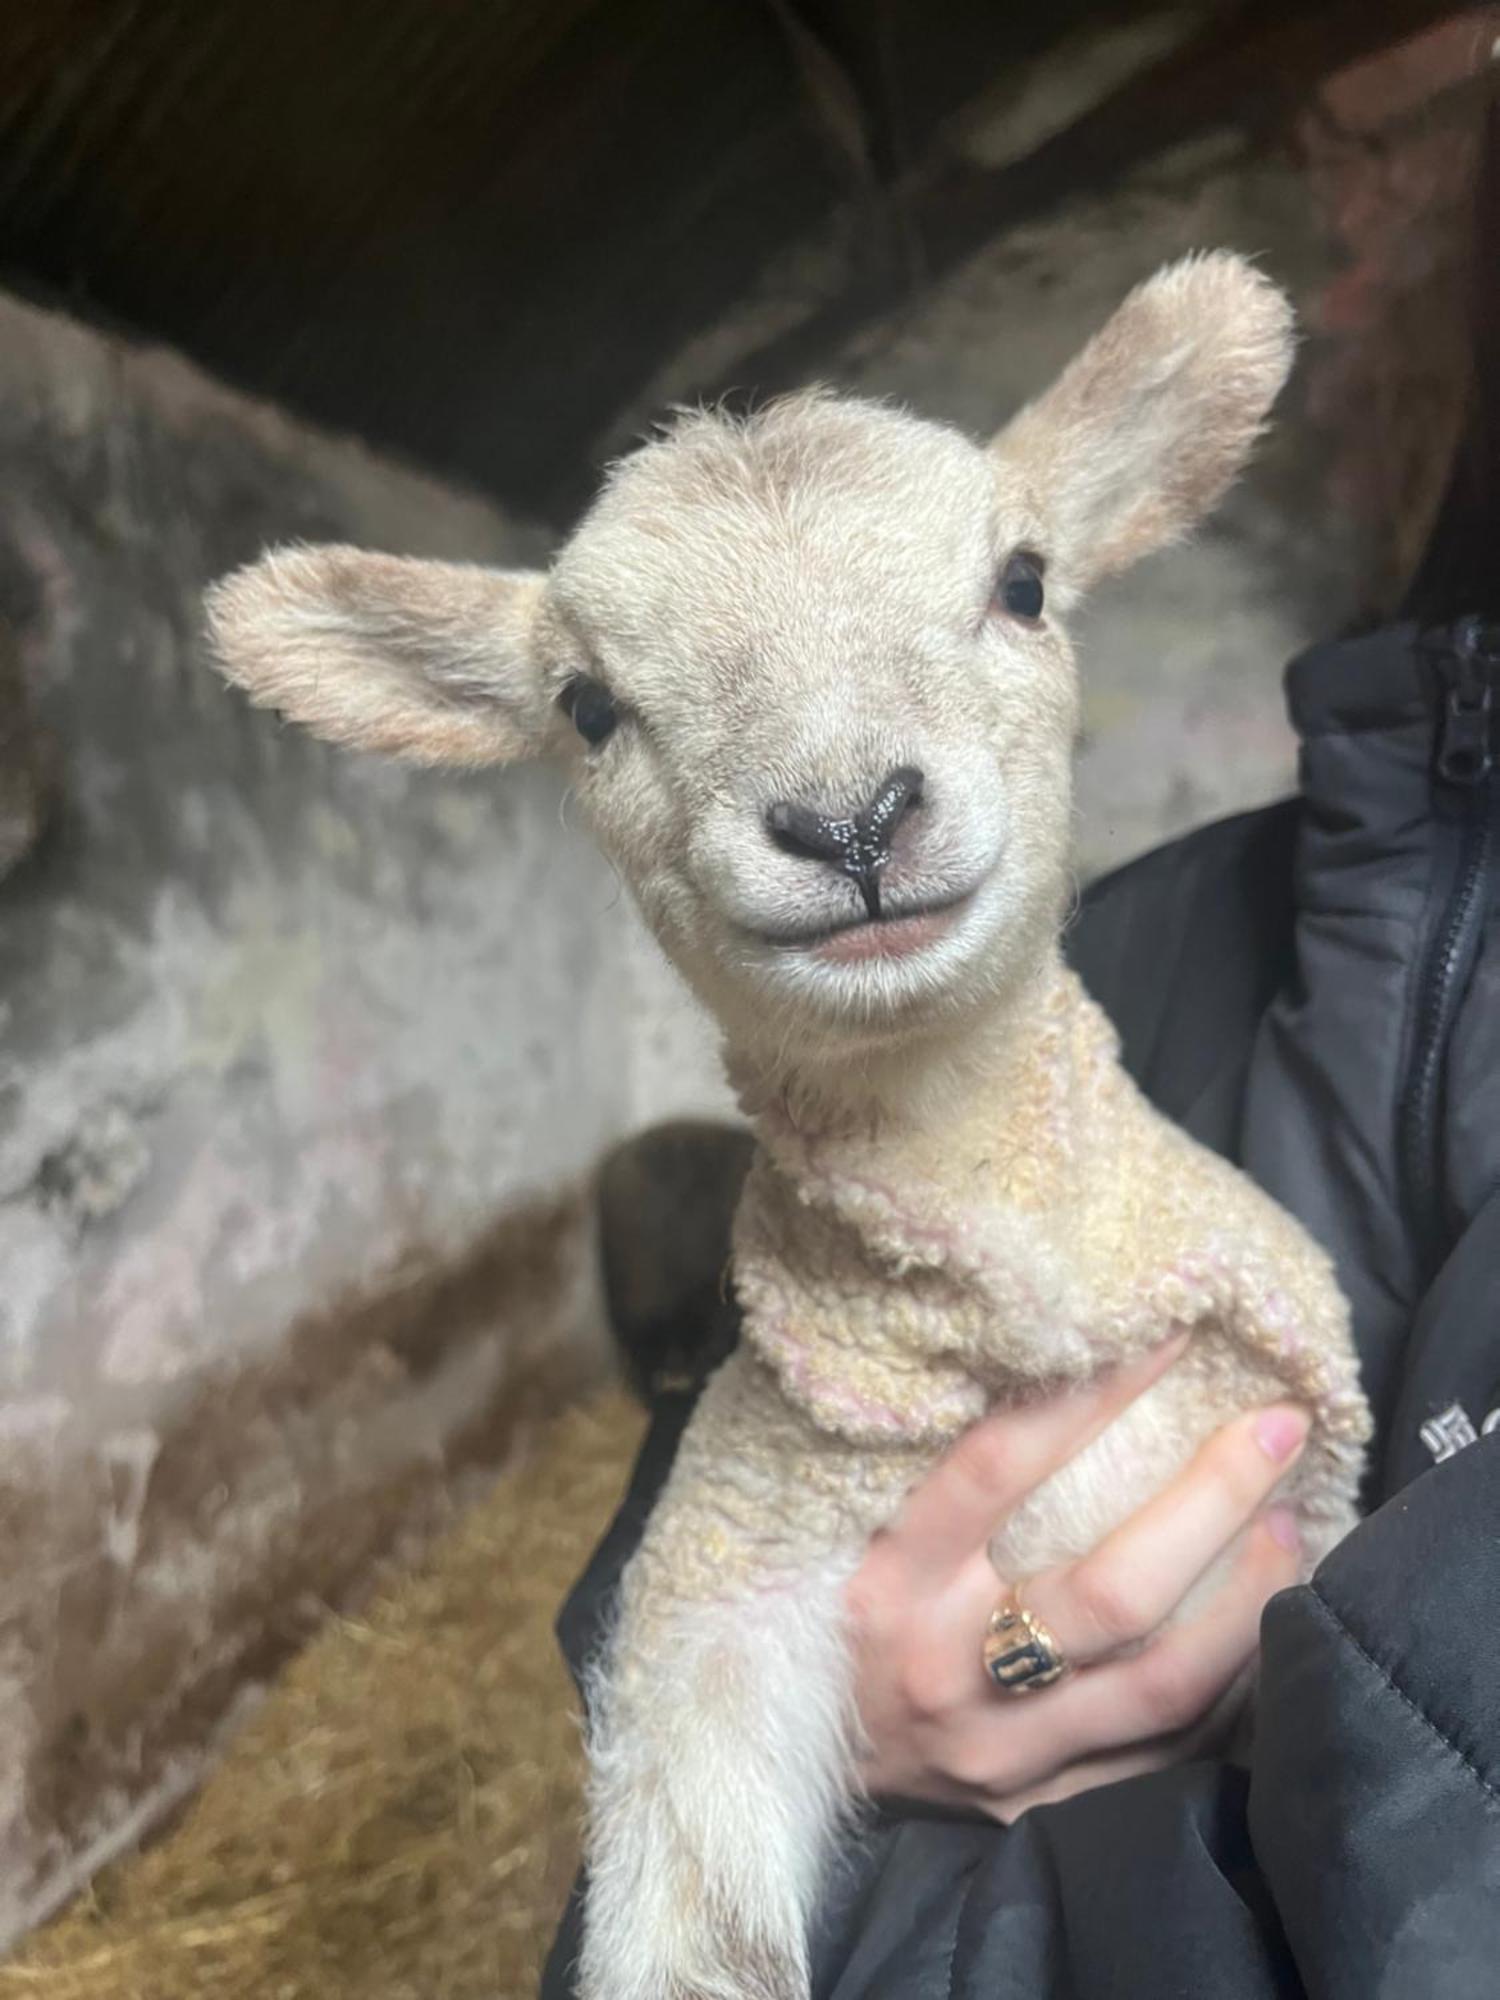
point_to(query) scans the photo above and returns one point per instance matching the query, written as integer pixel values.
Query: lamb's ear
(428, 660)
(1142, 433)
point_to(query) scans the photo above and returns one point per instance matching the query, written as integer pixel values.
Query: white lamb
(809, 675)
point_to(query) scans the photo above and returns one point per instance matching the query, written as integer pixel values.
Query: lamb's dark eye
(1019, 590)
(590, 708)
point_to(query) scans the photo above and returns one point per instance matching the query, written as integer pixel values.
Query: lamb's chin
(870, 987)
(856, 990)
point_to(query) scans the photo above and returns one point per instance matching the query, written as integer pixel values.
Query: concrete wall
(304, 1062)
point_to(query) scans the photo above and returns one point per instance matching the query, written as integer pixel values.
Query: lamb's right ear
(1141, 434)
(428, 660)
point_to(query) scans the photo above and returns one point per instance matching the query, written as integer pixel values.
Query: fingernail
(1281, 1524)
(1280, 1432)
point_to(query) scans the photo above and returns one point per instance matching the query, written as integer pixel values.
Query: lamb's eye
(590, 707)
(1019, 590)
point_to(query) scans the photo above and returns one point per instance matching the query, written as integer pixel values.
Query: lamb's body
(896, 1283)
(811, 678)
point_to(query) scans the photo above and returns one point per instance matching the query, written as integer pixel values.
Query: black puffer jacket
(1315, 991)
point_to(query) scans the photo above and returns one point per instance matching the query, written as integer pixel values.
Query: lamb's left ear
(1141, 434)
(428, 660)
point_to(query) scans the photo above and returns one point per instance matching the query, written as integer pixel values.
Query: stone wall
(305, 1060)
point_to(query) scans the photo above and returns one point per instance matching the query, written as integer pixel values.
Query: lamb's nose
(858, 847)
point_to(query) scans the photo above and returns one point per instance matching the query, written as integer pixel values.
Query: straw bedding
(399, 1820)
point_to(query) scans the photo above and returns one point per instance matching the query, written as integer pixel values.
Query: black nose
(858, 847)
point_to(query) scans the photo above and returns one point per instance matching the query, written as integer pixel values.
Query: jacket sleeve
(1375, 1804)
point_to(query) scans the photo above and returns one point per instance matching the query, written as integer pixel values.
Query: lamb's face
(831, 711)
(807, 672)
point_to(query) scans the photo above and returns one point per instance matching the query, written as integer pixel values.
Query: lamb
(809, 674)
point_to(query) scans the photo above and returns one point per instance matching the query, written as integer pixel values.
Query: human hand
(938, 1728)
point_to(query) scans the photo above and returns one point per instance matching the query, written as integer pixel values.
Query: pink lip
(896, 939)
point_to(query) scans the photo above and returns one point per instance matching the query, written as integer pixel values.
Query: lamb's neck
(975, 1177)
(957, 1091)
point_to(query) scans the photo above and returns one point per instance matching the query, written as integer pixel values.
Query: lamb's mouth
(893, 934)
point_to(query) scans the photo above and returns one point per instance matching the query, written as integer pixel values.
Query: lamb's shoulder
(1169, 1217)
(1167, 1235)
(760, 1494)
(851, 1302)
(1178, 1236)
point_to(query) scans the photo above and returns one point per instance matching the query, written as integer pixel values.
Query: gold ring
(1020, 1654)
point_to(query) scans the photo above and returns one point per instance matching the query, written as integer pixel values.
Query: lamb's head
(808, 671)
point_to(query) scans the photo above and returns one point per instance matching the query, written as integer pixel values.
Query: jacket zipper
(1466, 662)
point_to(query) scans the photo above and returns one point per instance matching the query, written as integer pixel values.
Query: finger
(1116, 1707)
(1176, 1679)
(1134, 1580)
(996, 1463)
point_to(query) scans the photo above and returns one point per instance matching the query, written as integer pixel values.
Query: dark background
(471, 229)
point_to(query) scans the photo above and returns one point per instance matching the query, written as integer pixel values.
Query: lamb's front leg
(722, 1734)
(720, 1760)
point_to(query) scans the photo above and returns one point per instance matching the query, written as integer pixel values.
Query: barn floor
(399, 1820)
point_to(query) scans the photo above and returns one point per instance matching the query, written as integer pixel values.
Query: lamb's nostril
(901, 791)
(808, 833)
(818, 836)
